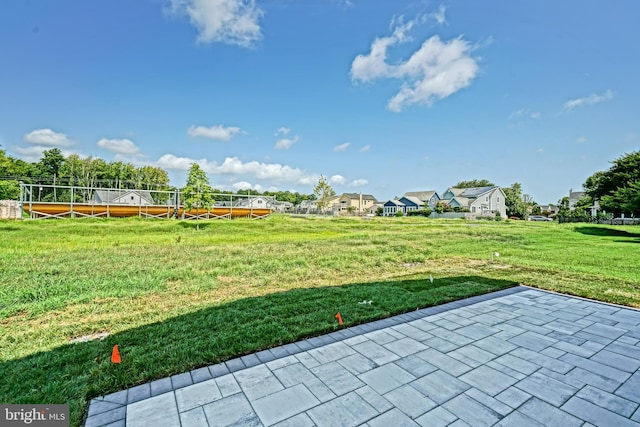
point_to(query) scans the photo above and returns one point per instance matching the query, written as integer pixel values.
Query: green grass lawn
(174, 298)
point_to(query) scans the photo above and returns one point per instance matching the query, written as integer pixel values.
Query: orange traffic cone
(339, 318)
(115, 355)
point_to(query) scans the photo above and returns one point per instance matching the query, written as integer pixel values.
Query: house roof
(462, 201)
(472, 192)
(576, 195)
(394, 202)
(421, 195)
(111, 195)
(250, 200)
(413, 199)
(357, 196)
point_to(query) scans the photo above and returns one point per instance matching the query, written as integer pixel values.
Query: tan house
(353, 203)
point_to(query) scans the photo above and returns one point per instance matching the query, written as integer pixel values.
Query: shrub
(399, 213)
(422, 212)
(498, 216)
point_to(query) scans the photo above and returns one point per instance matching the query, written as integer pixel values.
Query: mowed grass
(174, 298)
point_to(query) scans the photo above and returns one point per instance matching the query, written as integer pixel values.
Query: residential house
(307, 206)
(479, 200)
(553, 209)
(280, 206)
(428, 198)
(411, 203)
(356, 203)
(123, 197)
(574, 196)
(391, 207)
(373, 210)
(255, 202)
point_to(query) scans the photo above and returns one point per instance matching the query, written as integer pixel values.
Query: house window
(486, 199)
(498, 199)
(131, 197)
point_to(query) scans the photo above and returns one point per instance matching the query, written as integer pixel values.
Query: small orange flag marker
(339, 318)
(115, 355)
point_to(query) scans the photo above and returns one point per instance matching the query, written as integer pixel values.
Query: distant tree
(197, 193)
(9, 190)
(563, 207)
(50, 165)
(351, 209)
(323, 192)
(474, 183)
(152, 178)
(513, 200)
(10, 168)
(617, 187)
(439, 207)
(528, 204)
(379, 211)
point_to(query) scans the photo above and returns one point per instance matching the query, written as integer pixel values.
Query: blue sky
(382, 97)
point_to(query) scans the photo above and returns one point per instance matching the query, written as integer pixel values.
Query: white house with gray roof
(479, 200)
(123, 197)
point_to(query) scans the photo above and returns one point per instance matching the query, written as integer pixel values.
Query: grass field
(174, 298)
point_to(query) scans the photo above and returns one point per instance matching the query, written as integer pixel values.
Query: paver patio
(518, 357)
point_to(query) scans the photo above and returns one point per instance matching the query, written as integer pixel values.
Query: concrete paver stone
(518, 357)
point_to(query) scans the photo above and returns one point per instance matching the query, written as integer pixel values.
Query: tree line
(616, 190)
(53, 168)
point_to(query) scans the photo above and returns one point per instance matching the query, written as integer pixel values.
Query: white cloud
(242, 185)
(282, 131)
(218, 132)
(263, 171)
(540, 150)
(439, 15)
(337, 180)
(435, 71)
(365, 148)
(286, 143)
(169, 161)
(47, 137)
(119, 146)
(358, 183)
(523, 113)
(227, 21)
(272, 172)
(587, 100)
(581, 139)
(518, 113)
(342, 147)
(33, 153)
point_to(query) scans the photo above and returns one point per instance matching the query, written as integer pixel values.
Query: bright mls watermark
(34, 415)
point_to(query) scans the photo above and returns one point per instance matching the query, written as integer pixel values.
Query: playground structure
(59, 201)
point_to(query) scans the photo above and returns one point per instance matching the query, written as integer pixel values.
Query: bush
(399, 213)
(422, 212)
(486, 218)
(498, 216)
(9, 190)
